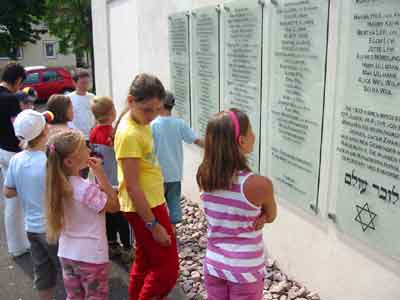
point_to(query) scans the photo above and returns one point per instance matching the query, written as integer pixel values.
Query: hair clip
(49, 116)
(236, 125)
(52, 148)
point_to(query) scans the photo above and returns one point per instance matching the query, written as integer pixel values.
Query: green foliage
(19, 20)
(71, 22)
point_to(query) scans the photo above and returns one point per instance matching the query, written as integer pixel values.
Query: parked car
(48, 81)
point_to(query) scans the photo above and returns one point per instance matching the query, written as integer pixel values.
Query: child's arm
(112, 204)
(9, 192)
(189, 136)
(259, 191)
(130, 169)
(10, 189)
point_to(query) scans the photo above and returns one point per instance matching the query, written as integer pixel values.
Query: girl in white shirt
(76, 215)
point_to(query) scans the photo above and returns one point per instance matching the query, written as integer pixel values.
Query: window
(20, 53)
(6, 55)
(49, 49)
(3, 54)
(32, 78)
(50, 76)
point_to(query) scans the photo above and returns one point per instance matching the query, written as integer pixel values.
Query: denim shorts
(44, 260)
(172, 193)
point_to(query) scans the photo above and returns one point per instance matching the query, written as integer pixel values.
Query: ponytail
(59, 191)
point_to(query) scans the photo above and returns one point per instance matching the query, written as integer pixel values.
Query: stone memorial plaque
(367, 138)
(297, 91)
(178, 37)
(205, 66)
(242, 32)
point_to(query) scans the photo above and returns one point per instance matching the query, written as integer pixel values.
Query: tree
(71, 22)
(19, 20)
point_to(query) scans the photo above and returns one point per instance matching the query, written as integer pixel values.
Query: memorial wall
(224, 68)
(367, 140)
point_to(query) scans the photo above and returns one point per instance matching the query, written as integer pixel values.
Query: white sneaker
(19, 253)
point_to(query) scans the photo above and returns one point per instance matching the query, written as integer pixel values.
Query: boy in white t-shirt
(81, 99)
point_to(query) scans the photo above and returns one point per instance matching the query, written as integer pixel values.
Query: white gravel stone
(192, 236)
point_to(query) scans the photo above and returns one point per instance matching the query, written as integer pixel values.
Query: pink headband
(235, 122)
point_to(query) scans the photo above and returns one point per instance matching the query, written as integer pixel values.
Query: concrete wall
(307, 247)
(33, 55)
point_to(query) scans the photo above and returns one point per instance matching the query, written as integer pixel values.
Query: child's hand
(161, 236)
(96, 165)
(259, 222)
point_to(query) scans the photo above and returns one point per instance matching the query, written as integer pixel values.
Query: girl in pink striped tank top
(237, 204)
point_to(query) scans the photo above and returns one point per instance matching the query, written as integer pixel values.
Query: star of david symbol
(365, 217)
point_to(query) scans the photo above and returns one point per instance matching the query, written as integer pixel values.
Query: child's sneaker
(20, 253)
(114, 250)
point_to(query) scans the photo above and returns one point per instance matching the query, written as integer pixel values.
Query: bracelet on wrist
(150, 225)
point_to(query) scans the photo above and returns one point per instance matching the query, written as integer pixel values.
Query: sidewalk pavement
(16, 276)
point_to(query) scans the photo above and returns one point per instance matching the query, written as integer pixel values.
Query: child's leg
(111, 227)
(123, 230)
(94, 279)
(114, 248)
(72, 280)
(216, 288)
(44, 269)
(173, 197)
(140, 266)
(17, 241)
(156, 265)
(246, 291)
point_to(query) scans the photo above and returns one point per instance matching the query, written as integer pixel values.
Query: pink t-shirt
(84, 235)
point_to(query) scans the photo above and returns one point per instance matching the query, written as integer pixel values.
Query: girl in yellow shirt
(141, 193)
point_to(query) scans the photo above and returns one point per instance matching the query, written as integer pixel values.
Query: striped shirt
(235, 251)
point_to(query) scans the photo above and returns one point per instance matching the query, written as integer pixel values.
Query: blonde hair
(33, 143)
(58, 188)
(101, 107)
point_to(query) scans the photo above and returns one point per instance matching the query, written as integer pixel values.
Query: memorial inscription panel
(205, 66)
(297, 98)
(178, 35)
(367, 142)
(242, 31)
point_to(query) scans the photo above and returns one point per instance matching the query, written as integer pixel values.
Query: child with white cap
(26, 179)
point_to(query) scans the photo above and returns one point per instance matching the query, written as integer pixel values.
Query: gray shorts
(44, 260)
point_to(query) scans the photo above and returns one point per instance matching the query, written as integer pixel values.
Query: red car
(48, 81)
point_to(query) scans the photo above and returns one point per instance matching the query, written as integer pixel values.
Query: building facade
(45, 52)
(131, 36)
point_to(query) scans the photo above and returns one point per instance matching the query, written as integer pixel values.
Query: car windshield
(32, 78)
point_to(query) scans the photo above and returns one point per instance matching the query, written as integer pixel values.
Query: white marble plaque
(299, 39)
(367, 139)
(205, 66)
(178, 37)
(242, 31)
